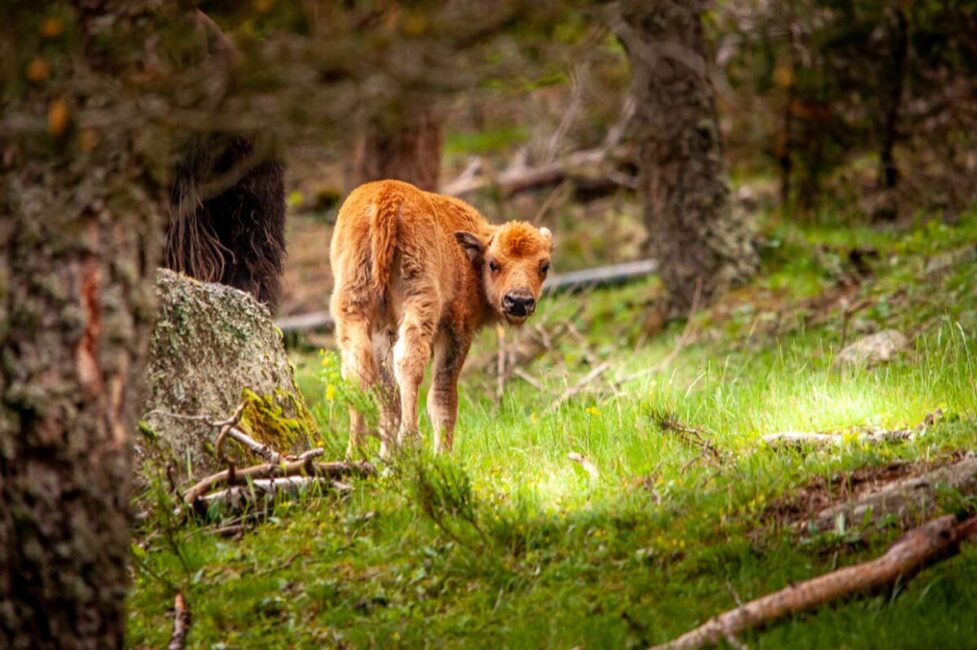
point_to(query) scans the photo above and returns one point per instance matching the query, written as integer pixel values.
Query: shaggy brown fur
(227, 221)
(417, 274)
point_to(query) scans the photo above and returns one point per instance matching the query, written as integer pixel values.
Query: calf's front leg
(411, 355)
(450, 351)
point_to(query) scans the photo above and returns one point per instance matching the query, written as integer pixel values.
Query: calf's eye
(544, 269)
(494, 266)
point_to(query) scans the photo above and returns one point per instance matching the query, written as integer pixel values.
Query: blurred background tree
(703, 247)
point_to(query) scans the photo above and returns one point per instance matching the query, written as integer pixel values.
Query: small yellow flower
(326, 360)
(295, 199)
(533, 417)
(330, 393)
(593, 410)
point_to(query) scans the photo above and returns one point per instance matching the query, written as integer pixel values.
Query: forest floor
(508, 543)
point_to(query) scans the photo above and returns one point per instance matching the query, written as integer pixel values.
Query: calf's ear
(474, 246)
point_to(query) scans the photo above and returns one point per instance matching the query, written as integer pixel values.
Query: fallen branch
(181, 623)
(267, 489)
(588, 466)
(258, 449)
(689, 435)
(933, 541)
(586, 164)
(303, 466)
(914, 495)
(529, 379)
(867, 436)
(579, 386)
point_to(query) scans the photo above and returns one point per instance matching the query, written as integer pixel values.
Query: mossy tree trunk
(78, 247)
(702, 245)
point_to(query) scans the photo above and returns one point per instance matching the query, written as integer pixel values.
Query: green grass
(484, 141)
(509, 544)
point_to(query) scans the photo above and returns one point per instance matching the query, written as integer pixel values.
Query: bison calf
(416, 275)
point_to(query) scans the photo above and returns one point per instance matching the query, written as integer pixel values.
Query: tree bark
(701, 244)
(77, 260)
(408, 150)
(78, 248)
(785, 159)
(888, 171)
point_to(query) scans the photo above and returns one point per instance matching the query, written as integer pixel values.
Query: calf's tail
(383, 243)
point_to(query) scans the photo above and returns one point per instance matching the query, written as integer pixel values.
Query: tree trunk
(77, 260)
(78, 248)
(785, 152)
(888, 172)
(407, 150)
(703, 246)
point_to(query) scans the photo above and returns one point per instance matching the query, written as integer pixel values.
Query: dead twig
(181, 623)
(920, 547)
(588, 466)
(691, 436)
(579, 386)
(258, 449)
(529, 379)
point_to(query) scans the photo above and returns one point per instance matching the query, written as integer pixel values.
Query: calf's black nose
(519, 303)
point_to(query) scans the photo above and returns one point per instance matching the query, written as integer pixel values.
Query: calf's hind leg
(359, 365)
(389, 396)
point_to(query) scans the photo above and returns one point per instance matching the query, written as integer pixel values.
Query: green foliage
(484, 141)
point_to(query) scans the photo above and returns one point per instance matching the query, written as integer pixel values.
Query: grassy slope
(509, 544)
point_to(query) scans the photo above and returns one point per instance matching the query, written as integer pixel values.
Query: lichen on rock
(212, 348)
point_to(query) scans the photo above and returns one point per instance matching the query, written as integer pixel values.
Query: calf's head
(513, 260)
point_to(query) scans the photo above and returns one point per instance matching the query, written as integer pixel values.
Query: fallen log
(868, 436)
(587, 164)
(920, 547)
(913, 496)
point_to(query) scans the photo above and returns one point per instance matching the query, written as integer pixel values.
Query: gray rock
(211, 343)
(945, 261)
(871, 350)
